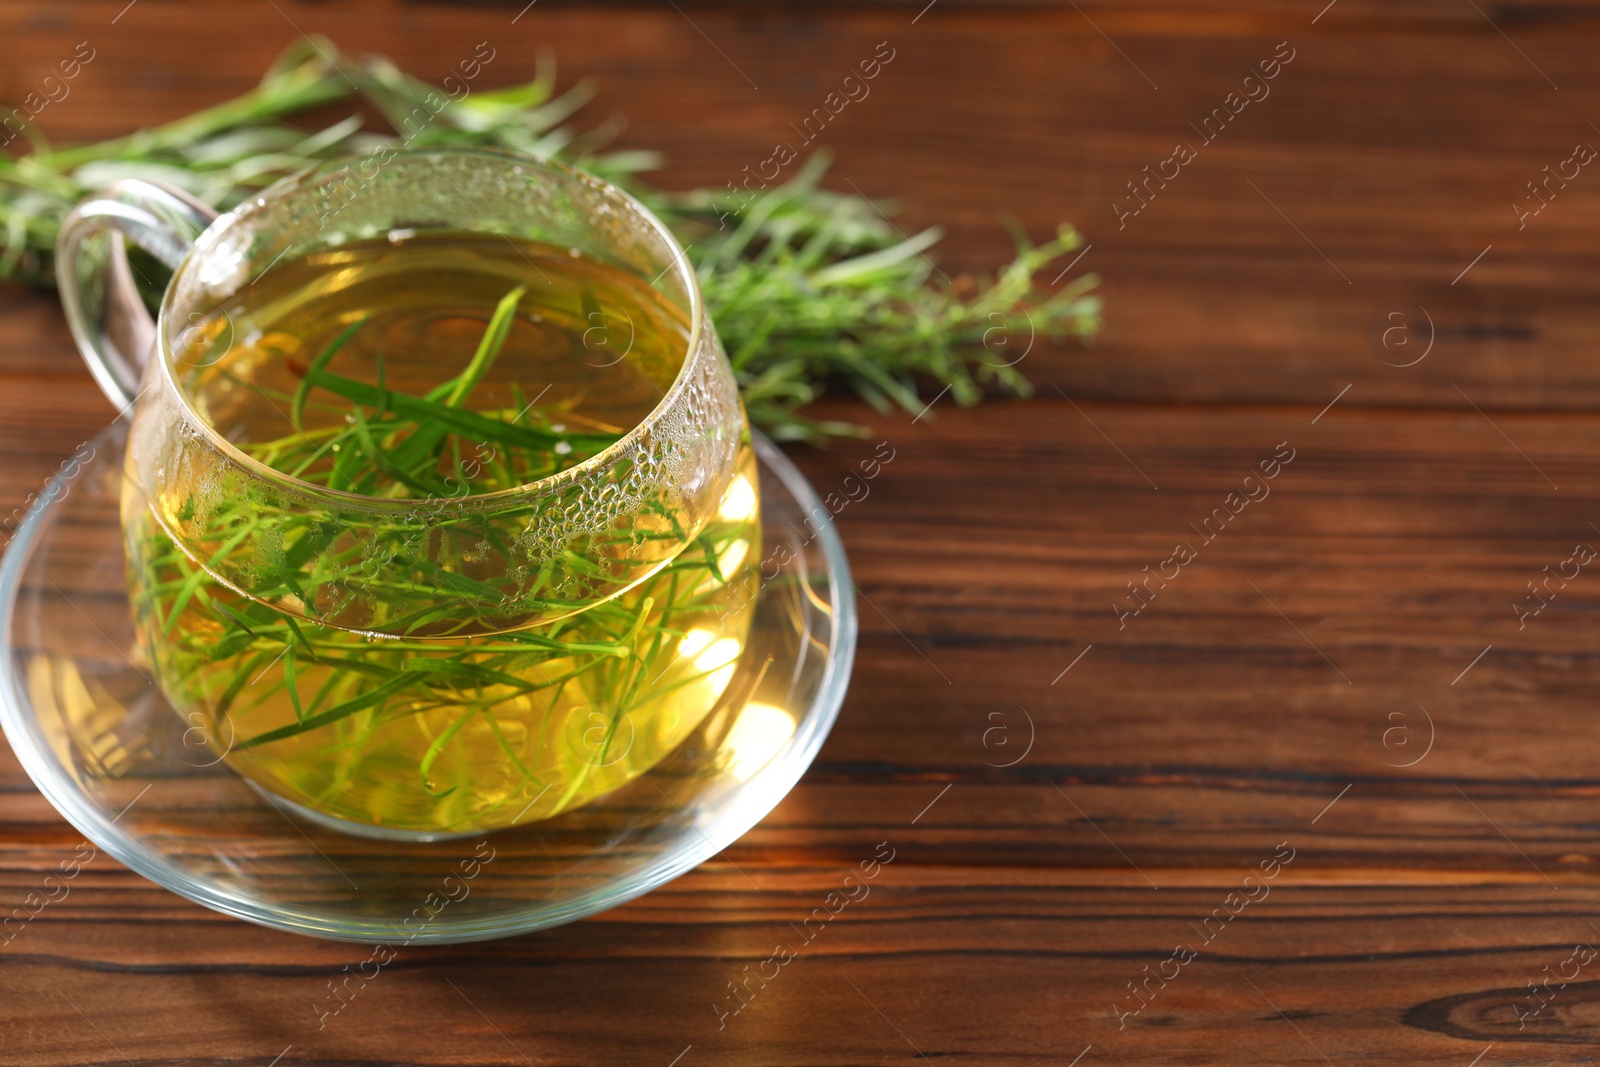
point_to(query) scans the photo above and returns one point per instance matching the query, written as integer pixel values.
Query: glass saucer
(105, 747)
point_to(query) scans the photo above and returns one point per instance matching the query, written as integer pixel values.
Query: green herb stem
(807, 286)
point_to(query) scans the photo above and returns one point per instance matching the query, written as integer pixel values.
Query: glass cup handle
(114, 331)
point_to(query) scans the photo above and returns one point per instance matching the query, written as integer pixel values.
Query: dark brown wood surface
(1248, 710)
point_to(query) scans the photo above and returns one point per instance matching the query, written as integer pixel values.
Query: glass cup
(429, 665)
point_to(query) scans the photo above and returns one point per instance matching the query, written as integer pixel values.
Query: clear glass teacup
(439, 506)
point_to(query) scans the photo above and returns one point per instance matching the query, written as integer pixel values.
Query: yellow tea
(440, 669)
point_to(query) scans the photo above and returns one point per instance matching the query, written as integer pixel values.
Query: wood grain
(1251, 702)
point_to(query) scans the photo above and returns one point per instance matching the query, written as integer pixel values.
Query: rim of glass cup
(336, 170)
(42, 765)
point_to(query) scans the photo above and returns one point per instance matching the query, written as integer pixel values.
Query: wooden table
(1336, 692)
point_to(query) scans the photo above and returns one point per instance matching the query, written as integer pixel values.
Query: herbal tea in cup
(439, 506)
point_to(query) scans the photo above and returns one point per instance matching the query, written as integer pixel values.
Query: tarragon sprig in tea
(394, 437)
(236, 656)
